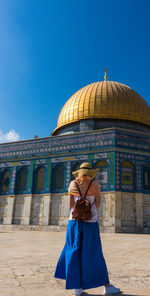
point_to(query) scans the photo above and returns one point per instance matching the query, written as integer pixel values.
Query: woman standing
(81, 262)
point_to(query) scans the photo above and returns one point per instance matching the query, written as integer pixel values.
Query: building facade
(105, 123)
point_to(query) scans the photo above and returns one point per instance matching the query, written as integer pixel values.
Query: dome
(104, 100)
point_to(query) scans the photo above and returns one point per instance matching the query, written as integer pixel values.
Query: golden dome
(104, 99)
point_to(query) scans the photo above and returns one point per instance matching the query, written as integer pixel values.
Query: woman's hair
(82, 178)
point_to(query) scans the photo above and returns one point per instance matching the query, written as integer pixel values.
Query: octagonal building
(105, 123)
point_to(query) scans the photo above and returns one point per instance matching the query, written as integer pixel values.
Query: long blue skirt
(81, 262)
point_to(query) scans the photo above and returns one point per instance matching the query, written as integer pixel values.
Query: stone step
(11, 227)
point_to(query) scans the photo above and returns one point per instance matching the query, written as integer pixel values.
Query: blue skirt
(81, 262)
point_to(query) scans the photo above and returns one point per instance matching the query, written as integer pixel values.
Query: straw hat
(85, 170)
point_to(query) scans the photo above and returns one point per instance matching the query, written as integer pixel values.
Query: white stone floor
(28, 260)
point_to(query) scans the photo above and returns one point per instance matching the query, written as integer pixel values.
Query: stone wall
(3, 208)
(59, 210)
(106, 212)
(52, 209)
(119, 211)
(132, 212)
(146, 211)
(128, 210)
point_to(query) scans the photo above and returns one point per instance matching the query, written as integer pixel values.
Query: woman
(81, 262)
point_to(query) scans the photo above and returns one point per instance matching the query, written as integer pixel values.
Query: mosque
(105, 123)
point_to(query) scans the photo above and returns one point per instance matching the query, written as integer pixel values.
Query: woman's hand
(71, 201)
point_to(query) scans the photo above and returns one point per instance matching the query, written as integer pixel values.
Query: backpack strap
(78, 189)
(86, 190)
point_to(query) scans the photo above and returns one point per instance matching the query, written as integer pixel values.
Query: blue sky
(50, 49)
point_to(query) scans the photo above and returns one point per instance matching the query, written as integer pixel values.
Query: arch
(101, 163)
(146, 176)
(5, 181)
(102, 175)
(39, 179)
(127, 164)
(58, 178)
(21, 180)
(127, 175)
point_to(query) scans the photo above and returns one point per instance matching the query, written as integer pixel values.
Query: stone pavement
(28, 260)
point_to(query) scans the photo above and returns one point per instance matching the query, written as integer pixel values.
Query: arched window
(5, 181)
(146, 176)
(39, 179)
(21, 180)
(58, 178)
(102, 175)
(127, 175)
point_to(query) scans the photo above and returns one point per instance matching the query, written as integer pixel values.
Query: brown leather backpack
(82, 208)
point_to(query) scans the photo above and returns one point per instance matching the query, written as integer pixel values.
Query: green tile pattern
(111, 157)
(48, 172)
(31, 174)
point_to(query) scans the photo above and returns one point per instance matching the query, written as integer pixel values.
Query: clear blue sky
(49, 49)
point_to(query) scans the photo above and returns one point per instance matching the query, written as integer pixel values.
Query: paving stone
(28, 260)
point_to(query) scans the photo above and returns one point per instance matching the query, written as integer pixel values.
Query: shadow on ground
(113, 294)
(121, 294)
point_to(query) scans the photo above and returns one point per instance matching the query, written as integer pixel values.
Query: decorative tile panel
(90, 146)
(58, 144)
(13, 180)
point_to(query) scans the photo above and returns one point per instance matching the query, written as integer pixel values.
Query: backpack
(82, 208)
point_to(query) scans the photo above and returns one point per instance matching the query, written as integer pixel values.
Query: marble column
(46, 201)
(10, 205)
(139, 210)
(27, 210)
(118, 210)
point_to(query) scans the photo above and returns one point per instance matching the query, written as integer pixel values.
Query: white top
(93, 209)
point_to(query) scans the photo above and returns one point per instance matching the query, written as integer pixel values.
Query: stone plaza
(28, 260)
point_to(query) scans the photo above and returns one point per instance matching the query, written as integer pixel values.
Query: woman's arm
(71, 201)
(98, 201)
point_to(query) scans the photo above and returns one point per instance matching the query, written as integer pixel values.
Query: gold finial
(106, 70)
